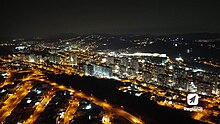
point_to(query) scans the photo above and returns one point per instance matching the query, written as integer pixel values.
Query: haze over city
(43, 18)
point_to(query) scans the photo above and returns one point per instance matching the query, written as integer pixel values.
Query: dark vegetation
(106, 89)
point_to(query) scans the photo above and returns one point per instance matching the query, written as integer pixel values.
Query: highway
(70, 111)
(14, 100)
(40, 107)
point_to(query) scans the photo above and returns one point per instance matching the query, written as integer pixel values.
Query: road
(15, 99)
(96, 101)
(111, 109)
(106, 119)
(37, 75)
(70, 111)
(40, 107)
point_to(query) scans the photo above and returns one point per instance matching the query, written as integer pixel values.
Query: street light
(122, 107)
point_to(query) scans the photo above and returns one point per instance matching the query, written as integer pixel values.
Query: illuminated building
(216, 88)
(88, 69)
(123, 69)
(124, 61)
(181, 83)
(39, 58)
(110, 60)
(131, 72)
(191, 86)
(102, 71)
(54, 59)
(179, 72)
(209, 77)
(158, 60)
(159, 69)
(210, 81)
(163, 79)
(204, 88)
(146, 76)
(134, 64)
(35, 58)
(148, 67)
(73, 59)
(32, 58)
(98, 70)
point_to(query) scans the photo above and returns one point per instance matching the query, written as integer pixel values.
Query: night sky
(27, 18)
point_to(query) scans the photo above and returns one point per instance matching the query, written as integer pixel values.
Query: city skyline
(89, 79)
(109, 62)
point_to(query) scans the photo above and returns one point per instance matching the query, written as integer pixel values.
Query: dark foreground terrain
(106, 89)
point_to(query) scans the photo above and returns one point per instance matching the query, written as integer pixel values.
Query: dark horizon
(43, 19)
